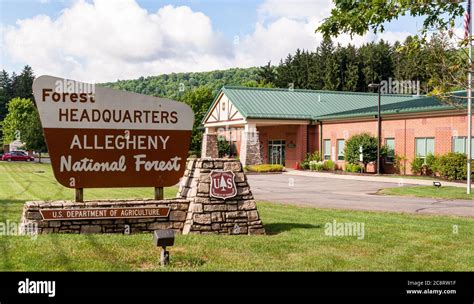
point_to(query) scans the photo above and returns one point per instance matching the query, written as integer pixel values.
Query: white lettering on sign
(85, 109)
(222, 182)
(171, 165)
(89, 165)
(120, 142)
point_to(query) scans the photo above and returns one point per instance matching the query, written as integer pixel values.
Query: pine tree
(5, 93)
(267, 74)
(332, 65)
(351, 70)
(315, 72)
(23, 87)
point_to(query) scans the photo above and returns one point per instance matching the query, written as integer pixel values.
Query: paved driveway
(348, 194)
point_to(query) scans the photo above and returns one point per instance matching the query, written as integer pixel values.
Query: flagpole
(469, 103)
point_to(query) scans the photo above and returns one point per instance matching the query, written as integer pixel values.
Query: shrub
(315, 156)
(400, 164)
(265, 168)
(431, 164)
(304, 165)
(417, 166)
(452, 166)
(369, 148)
(316, 166)
(223, 147)
(329, 165)
(194, 154)
(354, 168)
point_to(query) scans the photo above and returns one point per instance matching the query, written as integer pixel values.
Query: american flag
(467, 21)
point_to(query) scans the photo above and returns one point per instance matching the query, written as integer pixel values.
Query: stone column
(209, 144)
(210, 215)
(250, 153)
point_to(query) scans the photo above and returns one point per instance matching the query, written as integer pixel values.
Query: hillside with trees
(175, 85)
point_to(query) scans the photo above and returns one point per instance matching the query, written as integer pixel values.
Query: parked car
(17, 156)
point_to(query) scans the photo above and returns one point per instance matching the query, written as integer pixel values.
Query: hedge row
(264, 168)
(452, 166)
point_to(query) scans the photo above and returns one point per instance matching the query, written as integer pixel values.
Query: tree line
(348, 68)
(176, 85)
(19, 119)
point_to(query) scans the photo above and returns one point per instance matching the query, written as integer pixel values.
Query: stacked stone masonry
(208, 215)
(250, 151)
(178, 210)
(209, 146)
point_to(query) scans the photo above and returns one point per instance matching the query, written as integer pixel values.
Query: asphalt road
(347, 194)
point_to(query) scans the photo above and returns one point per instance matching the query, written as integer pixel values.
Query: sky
(107, 40)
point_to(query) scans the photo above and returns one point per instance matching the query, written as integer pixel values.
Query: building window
(459, 144)
(424, 146)
(390, 144)
(327, 149)
(340, 149)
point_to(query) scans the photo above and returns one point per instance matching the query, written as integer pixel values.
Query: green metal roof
(271, 103)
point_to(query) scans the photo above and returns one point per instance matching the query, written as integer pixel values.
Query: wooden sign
(103, 213)
(223, 184)
(100, 137)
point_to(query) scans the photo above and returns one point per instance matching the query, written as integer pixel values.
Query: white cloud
(109, 40)
(274, 41)
(296, 9)
(284, 26)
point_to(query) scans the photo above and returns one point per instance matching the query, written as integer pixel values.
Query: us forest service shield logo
(223, 184)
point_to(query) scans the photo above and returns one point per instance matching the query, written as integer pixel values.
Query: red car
(17, 156)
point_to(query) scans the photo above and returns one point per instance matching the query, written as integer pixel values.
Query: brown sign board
(100, 137)
(103, 213)
(222, 184)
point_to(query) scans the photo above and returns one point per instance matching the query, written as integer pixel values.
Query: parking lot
(348, 194)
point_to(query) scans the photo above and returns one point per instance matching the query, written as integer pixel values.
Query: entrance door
(276, 152)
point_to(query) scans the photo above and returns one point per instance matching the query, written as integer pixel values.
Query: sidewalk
(380, 179)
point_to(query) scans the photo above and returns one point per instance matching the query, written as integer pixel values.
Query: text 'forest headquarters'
(106, 115)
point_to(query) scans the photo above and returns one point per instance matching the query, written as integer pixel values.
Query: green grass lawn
(447, 192)
(295, 238)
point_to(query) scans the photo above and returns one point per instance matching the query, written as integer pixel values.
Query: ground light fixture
(164, 238)
(379, 123)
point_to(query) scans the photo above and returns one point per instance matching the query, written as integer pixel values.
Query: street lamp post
(469, 103)
(379, 123)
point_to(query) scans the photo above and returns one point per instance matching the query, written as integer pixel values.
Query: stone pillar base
(250, 153)
(209, 146)
(209, 215)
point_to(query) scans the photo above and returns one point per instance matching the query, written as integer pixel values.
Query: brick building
(280, 126)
